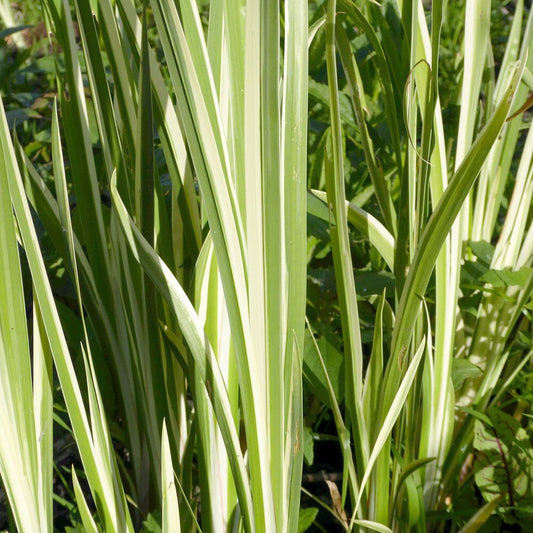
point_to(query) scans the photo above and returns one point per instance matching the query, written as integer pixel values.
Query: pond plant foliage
(266, 265)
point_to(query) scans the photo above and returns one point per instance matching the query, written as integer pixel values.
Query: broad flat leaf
(504, 463)
(483, 251)
(507, 278)
(463, 369)
(16, 116)
(472, 272)
(313, 369)
(367, 283)
(151, 524)
(309, 451)
(319, 92)
(306, 518)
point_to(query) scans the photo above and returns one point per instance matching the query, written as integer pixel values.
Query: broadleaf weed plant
(234, 231)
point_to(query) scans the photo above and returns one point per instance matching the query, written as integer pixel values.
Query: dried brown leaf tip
(528, 103)
(337, 502)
